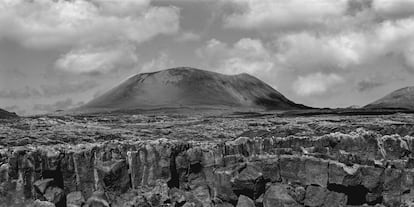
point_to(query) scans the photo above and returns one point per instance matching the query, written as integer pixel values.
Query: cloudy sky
(57, 54)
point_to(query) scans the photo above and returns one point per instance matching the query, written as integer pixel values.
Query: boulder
(318, 196)
(98, 199)
(249, 182)
(55, 195)
(315, 196)
(38, 203)
(202, 194)
(245, 201)
(42, 185)
(298, 193)
(75, 198)
(278, 195)
(270, 169)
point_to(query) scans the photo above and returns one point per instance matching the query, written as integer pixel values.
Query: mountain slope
(6, 115)
(402, 98)
(189, 87)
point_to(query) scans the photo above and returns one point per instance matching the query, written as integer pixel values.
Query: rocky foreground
(244, 161)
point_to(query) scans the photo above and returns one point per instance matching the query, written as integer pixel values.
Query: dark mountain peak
(190, 87)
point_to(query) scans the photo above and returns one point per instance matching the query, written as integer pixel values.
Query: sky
(59, 54)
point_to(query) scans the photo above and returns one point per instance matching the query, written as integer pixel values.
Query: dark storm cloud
(368, 84)
(356, 6)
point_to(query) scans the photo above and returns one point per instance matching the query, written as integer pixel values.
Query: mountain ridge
(6, 114)
(402, 98)
(191, 87)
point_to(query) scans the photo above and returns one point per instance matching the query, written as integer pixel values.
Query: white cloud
(282, 14)
(315, 84)
(98, 60)
(163, 61)
(395, 37)
(346, 49)
(51, 23)
(245, 56)
(305, 51)
(123, 7)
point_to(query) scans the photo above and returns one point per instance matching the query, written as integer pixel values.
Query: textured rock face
(329, 170)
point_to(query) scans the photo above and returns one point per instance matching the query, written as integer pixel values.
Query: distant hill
(190, 87)
(401, 99)
(6, 115)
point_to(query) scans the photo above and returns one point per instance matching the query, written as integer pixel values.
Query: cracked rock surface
(207, 160)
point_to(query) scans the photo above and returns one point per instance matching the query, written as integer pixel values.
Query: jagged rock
(315, 196)
(334, 199)
(114, 175)
(202, 195)
(245, 201)
(158, 194)
(4, 172)
(318, 196)
(54, 195)
(211, 173)
(278, 195)
(270, 169)
(98, 199)
(221, 184)
(38, 203)
(84, 171)
(140, 201)
(259, 200)
(393, 181)
(298, 193)
(42, 185)
(306, 170)
(342, 174)
(177, 196)
(249, 181)
(75, 198)
(371, 176)
(372, 197)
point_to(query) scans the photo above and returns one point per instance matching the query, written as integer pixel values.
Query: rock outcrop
(7, 115)
(360, 168)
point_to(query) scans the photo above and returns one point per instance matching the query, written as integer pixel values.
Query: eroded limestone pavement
(337, 169)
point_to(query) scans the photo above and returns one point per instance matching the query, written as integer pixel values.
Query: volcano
(400, 99)
(190, 87)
